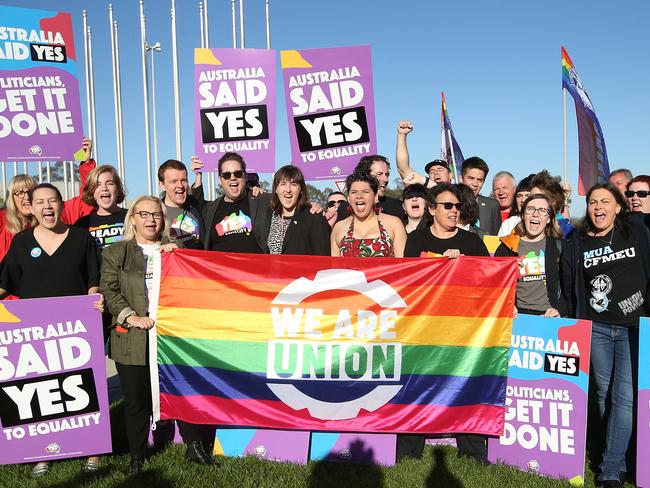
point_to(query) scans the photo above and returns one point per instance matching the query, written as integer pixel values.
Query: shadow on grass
(326, 474)
(440, 474)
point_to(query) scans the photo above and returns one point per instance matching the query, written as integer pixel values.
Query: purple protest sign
(234, 106)
(330, 108)
(546, 413)
(53, 392)
(643, 417)
(273, 445)
(40, 109)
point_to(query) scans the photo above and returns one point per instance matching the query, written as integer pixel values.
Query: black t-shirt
(422, 240)
(106, 229)
(232, 228)
(184, 226)
(29, 272)
(614, 278)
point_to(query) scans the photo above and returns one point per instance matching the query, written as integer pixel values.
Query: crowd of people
(598, 270)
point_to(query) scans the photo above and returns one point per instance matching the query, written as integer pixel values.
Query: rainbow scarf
(344, 344)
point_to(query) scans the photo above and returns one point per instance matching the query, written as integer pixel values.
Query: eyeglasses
(448, 205)
(334, 203)
(144, 215)
(21, 193)
(226, 175)
(628, 193)
(542, 212)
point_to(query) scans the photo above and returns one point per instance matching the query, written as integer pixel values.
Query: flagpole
(119, 100)
(115, 104)
(268, 26)
(565, 181)
(177, 101)
(205, 43)
(241, 24)
(93, 115)
(89, 131)
(234, 24)
(145, 92)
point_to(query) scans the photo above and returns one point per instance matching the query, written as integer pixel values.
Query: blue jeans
(614, 361)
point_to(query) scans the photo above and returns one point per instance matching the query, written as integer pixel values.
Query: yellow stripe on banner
(259, 327)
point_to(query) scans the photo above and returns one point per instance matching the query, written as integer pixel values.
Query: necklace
(611, 237)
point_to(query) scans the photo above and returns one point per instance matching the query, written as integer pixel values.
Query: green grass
(440, 467)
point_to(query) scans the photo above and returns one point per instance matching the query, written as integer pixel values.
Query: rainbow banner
(593, 164)
(336, 344)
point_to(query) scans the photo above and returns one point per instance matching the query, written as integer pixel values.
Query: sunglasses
(448, 205)
(226, 175)
(640, 193)
(334, 203)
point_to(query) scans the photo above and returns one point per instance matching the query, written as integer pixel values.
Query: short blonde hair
(129, 227)
(88, 196)
(16, 221)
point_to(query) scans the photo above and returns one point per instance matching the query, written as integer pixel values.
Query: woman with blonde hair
(17, 214)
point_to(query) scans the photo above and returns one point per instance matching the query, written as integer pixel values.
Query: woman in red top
(367, 233)
(17, 214)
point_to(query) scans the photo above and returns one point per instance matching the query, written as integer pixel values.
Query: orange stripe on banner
(258, 296)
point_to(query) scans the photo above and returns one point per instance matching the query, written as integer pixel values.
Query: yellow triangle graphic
(6, 316)
(293, 59)
(204, 55)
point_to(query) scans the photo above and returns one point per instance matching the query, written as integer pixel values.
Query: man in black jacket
(473, 174)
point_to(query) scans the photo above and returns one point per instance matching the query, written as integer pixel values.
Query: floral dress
(375, 247)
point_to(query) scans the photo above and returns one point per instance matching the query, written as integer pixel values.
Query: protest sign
(330, 108)
(336, 344)
(546, 415)
(234, 106)
(40, 109)
(273, 445)
(643, 417)
(53, 391)
(355, 448)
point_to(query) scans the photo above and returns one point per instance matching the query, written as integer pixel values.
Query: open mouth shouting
(48, 216)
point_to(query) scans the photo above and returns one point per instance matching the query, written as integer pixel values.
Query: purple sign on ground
(40, 109)
(53, 392)
(330, 108)
(643, 417)
(357, 448)
(274, 445)
(234, 106)
(546, 404)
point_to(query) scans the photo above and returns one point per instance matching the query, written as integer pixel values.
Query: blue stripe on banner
(417, 389)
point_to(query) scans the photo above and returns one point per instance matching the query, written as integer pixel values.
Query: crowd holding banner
(312, 338)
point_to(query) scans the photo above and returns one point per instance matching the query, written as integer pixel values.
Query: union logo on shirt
(235, 223)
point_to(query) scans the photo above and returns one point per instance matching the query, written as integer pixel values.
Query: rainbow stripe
(567, 66)
(216, 331)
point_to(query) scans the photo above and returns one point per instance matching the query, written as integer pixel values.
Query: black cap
(436, 162)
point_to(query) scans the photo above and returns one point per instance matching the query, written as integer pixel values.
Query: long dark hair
(294, 175)
(468, 213)
(622, 220)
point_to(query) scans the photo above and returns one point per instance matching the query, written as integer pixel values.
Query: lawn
(440, 467)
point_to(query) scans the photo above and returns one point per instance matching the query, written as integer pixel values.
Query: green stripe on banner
(251, 357)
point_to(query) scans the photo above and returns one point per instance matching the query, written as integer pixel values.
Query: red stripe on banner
(487, 272)
(425, 419)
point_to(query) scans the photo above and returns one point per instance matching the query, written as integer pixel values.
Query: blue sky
(498, 63)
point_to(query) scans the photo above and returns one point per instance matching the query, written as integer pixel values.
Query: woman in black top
(105, 191)
(605, 278)
(292, 228)
(443, 236)
(537, 242)
(49, 260)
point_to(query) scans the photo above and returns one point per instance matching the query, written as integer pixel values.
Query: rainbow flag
(593, 165)
(342, 344)
(449, 148)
